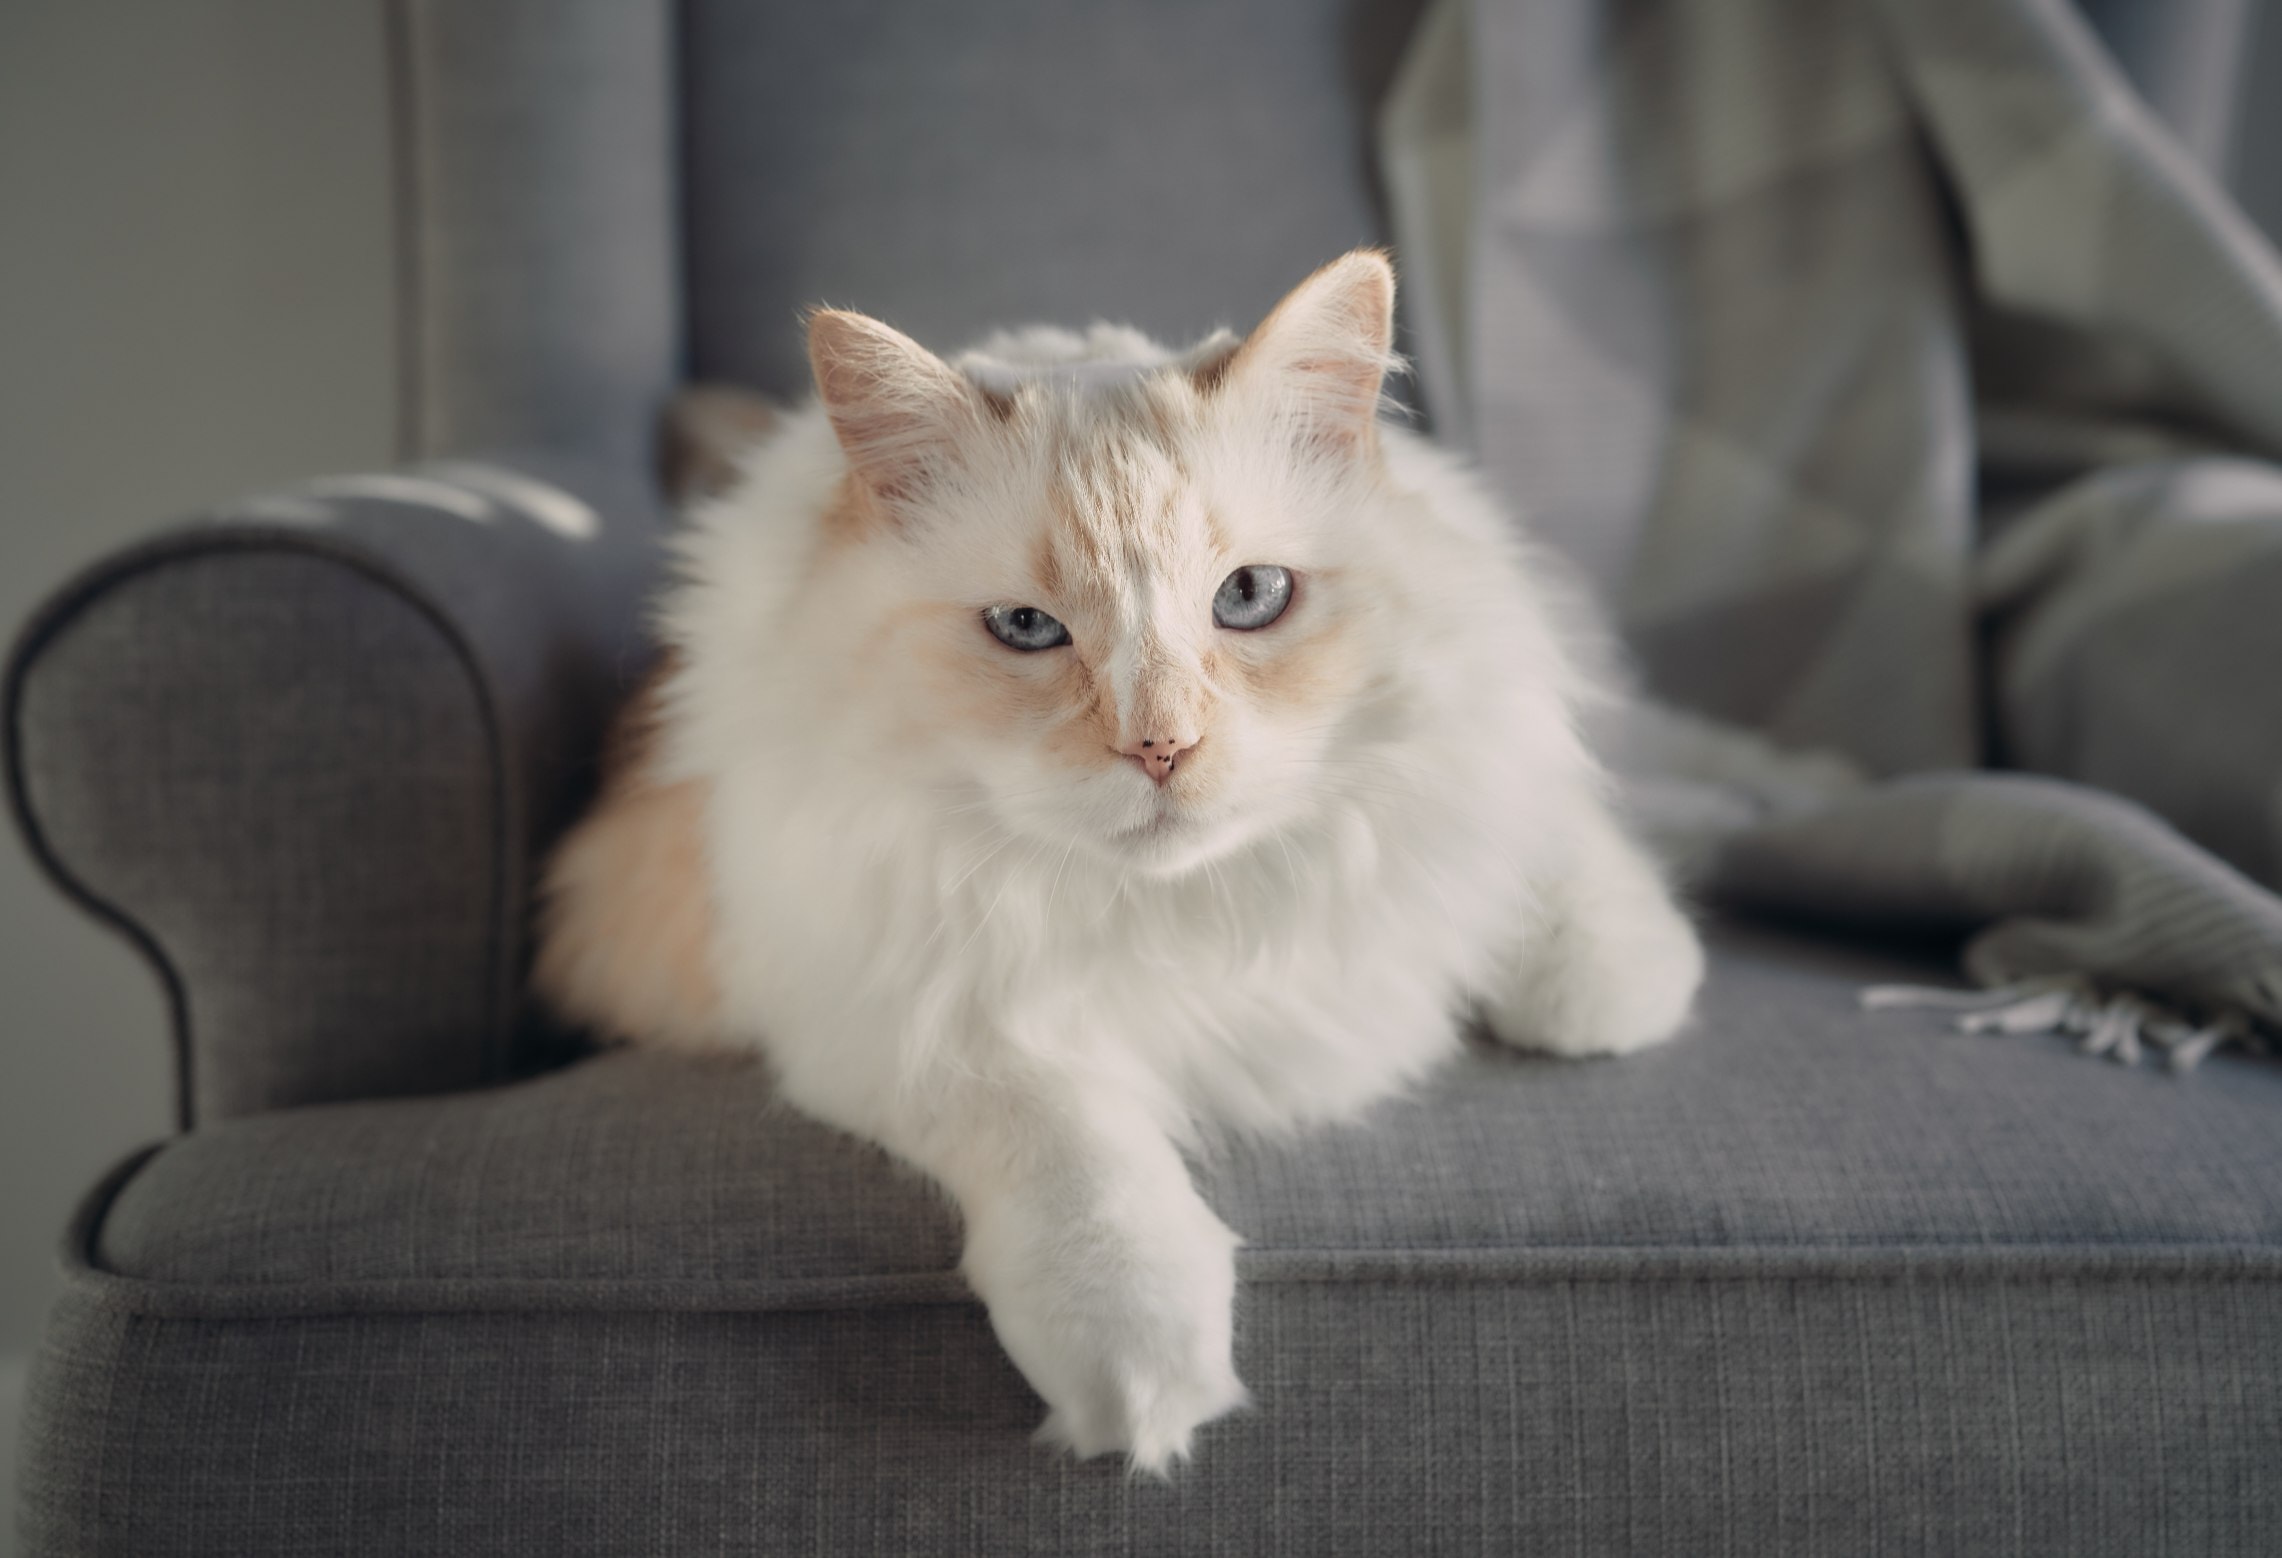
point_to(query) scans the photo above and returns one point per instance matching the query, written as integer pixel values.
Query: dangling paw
(1125, 1331)
(1151, 1420)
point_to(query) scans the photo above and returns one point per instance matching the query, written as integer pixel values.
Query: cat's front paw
(1125, 1332)
(1606, 987)
(1149, 1420)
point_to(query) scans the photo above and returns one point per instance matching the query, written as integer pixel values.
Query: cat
(1073, 751)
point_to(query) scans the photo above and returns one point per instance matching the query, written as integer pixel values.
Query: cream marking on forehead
(1119, 496)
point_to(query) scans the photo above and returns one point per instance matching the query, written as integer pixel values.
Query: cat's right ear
(899, 411)
(1320, 356)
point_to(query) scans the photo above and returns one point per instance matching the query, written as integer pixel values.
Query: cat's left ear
(1323, 353)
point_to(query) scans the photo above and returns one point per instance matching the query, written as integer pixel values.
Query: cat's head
(1127, 594)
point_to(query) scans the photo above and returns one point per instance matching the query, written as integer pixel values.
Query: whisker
(961, 955)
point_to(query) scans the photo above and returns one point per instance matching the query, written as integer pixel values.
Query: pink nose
(1159, 755)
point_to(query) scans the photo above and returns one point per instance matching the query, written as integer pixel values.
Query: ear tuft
(899, 410)
(1326, 349)
(1206, 363)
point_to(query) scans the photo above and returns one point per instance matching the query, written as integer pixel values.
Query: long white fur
(943, 946)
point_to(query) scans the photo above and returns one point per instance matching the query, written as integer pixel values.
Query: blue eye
(1024, 628)
(1252, 597)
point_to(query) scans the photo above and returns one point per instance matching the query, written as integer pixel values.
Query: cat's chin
(1172, 844)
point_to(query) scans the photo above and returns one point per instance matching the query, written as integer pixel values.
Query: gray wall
(194, 300)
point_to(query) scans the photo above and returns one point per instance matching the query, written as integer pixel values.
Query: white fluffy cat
(1078, 748)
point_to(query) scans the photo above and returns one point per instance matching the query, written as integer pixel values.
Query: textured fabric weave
(1766, 1417)
(306, 753)
(1783, 1125)
(541, 302)
(957, 169)
(1794, 1287)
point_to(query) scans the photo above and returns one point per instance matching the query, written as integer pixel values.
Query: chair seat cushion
(1786, 1128)
(1804, 1283)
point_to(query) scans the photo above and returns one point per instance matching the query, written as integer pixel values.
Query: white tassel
(2120, 1026)
(1921, 998)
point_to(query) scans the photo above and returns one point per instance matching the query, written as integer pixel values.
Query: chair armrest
(305, 752)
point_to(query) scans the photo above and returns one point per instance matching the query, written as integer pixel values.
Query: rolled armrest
(304, 753)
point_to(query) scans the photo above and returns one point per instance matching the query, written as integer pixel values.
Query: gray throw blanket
(1909, 396)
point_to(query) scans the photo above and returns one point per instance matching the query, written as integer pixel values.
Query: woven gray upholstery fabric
(305, 754)
(537, 165)
(1793, 1286)
(957, 169)
(1940, 1412)
(1783, 1124)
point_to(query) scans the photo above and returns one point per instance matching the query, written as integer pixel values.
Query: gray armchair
(405, 1283)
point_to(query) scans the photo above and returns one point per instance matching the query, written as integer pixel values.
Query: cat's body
(1037, 914)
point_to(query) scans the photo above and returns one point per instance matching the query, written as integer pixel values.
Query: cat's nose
(1159, 755)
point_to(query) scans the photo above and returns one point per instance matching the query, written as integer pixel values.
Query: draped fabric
(1908, 391)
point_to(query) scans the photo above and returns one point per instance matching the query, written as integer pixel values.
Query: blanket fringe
(2120, 1025)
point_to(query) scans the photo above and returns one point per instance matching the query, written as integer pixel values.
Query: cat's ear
(1322, 354)
(899, 410)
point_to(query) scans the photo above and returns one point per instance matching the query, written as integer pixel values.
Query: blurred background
(196, 299)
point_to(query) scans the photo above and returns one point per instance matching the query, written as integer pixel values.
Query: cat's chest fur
(1295, 981)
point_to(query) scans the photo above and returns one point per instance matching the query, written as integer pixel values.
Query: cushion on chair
(1788, 1126)
(1800, 1280)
